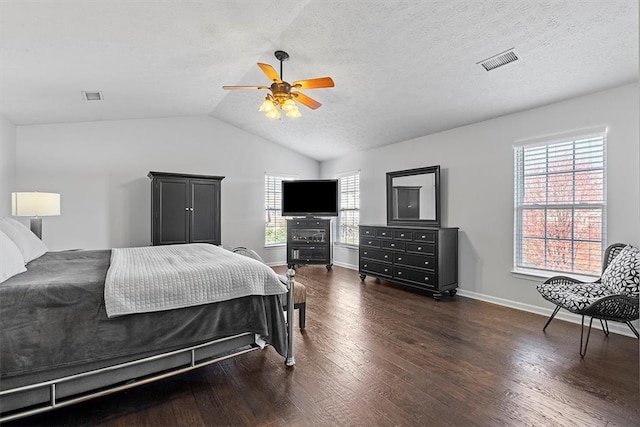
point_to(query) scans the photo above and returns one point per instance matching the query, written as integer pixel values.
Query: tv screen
(317, 197)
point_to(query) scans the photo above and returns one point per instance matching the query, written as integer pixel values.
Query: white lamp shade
(35, 204)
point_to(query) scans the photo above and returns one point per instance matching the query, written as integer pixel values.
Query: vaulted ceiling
(402, 69)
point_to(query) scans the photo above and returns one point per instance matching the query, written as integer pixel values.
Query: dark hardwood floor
(376, 354)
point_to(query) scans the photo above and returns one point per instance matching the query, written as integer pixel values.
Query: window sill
(542, 275)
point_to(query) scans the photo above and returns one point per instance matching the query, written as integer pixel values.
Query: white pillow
(11, 261)
(28, 243)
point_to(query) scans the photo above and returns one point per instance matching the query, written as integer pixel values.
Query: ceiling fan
(282, 97)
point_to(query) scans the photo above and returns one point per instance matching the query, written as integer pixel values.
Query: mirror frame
(413, 222)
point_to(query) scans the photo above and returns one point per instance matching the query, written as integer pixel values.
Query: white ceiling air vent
(92, 96)
(499, 60)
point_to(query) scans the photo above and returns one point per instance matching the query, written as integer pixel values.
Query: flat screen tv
(318, 197)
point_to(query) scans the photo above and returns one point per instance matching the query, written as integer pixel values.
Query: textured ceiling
(402, 69)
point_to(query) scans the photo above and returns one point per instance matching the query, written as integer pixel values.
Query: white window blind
(349, 211)
(560, 205)
(275, 229)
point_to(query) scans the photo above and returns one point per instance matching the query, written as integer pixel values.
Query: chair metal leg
(605, 327)
(551, 318)
(633, 329)
(584, 351)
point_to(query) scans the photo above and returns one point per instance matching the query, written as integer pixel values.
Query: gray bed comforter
(54, 316)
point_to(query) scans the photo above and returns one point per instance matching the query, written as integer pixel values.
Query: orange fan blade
(305, 100)
(270, 72)
(313, 83)
(243, 87)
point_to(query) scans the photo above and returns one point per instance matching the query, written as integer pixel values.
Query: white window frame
(273, 218)
(348, 208)
(576, 143)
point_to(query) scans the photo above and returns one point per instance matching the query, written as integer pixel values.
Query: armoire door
(205, 211)
(173, 211)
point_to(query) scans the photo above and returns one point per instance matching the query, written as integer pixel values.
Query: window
(560, 205)
(275, 225)
(349, 209)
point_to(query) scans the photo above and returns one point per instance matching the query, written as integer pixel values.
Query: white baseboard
(345, 265)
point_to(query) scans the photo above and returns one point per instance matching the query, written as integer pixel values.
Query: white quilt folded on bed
(156, 278)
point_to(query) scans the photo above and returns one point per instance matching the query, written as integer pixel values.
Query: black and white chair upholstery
(612, 297)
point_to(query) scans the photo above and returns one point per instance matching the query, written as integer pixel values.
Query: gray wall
(100, 169)
(477, 184)
(7, 164)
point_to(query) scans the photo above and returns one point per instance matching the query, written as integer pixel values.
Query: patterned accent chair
(612, 297)
(299, 290)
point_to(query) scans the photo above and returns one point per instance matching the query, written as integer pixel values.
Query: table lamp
(35, 205)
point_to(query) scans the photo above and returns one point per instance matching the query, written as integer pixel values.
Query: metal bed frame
(72, 389)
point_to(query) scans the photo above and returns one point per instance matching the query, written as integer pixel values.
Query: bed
(64, 339)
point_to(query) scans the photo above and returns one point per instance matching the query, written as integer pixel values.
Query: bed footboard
(47, 395)
(290, 360)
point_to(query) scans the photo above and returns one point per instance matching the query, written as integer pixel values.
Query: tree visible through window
(349, 211)
(275, 228)
(560, 205)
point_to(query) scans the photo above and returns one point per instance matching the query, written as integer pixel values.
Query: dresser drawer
(367, 232)
(376, 268)
(418, 261)
(420, 277)
(402, 235)
(384, 233)
(376, 254)
(369, 243)
(424, 236)
(309, 222)
(421, 248)
(393, 245)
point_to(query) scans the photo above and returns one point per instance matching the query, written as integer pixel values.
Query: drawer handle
(424, 237)
(366, 253)
(366, 265)
(401, 234)
(386, 256)
(426, 279)
(386, 270)
(399, 273)
(399, 258)
(419, 248)
(383, 234)
(426, 263)
(393, 245)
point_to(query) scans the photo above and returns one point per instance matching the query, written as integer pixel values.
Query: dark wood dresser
(420, 258)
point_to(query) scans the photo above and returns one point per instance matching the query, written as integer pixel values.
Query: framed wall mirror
(413, 197)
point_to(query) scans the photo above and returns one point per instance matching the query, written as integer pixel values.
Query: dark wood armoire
(185, 208)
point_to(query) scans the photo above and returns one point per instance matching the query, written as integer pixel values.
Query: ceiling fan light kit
(281, 96)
